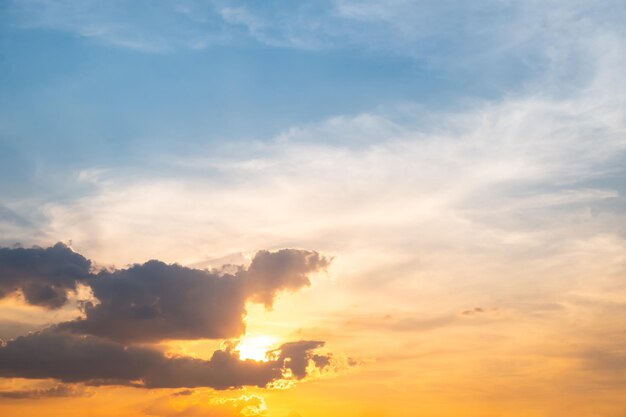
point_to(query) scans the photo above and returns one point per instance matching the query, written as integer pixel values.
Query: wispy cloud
(449, 33)
(474, 171)
(152, 27)
(54, 392)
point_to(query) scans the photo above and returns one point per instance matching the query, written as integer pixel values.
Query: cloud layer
(151, 302)
(69, 358)
(154, 301)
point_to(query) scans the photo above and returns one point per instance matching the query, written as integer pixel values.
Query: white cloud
(524, 180)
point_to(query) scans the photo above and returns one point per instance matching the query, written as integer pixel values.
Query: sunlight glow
(255, 347)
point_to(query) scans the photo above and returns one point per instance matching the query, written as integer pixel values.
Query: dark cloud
(43, 276)
(183, 393)
(474, 311)
(300, 354)
(156, 301)
(286, 269)
(13, 328)
(479, 311)
(58, 354)
(147, 303)
(54, 392)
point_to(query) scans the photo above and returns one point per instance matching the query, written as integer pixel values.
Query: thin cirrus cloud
(478, 30)
(150, 303)
(123, 24)
(473, 172)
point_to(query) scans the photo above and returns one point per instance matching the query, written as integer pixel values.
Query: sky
(349, 208)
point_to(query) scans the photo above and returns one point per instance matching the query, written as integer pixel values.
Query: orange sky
(546, 349)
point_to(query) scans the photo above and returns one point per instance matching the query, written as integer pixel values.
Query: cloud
(125, 24)
(480, 311)
(532, 181)
(300, 354)
(285, 270)
(58, 354)
(202, 405)
(43, 276)
(486, 34)
(151, 302)
(54, 392)
(422, 323)
(155, 301)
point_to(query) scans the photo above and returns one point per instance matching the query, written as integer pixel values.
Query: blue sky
(138, 88)
(106, 83)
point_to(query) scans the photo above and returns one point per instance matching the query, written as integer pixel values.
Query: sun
(255, 346)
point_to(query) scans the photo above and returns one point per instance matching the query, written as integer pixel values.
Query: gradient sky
(418, 208)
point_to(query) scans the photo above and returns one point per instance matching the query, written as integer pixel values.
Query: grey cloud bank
(150, 302)
(43, 276)
(154, 301)
(69, 358)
